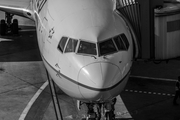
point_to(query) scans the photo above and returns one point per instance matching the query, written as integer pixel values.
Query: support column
(147, 27)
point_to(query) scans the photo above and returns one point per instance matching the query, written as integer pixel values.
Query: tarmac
(21, 74)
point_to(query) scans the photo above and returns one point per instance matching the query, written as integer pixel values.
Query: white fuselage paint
(86, 78)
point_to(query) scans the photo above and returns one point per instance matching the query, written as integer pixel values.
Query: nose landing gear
(101, 111)
(109, 108)
(91, 113)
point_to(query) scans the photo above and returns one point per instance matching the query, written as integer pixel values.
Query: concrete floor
(19, 82)
(21, 73)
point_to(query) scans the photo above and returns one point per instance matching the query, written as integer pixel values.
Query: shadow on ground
(151, 107)
(19, 48)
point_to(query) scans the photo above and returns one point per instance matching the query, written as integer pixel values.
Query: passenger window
(71, 46)
(119, 43)
(62, 43)
(123, 36)
(87, 48)
(107, 47)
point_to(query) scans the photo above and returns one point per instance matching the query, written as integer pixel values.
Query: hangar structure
(157, 26)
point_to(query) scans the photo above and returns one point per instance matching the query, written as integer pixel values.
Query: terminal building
(157, 26)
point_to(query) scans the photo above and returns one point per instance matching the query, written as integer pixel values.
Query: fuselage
(86, 47)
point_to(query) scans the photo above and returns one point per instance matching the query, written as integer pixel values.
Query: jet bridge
(156, 25)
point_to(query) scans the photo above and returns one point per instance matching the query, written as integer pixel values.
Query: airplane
(87, 47)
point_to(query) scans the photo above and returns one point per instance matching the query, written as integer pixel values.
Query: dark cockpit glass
(119, 43)
(124, 38)
(107, 47)
(62, 43)
(71, 45)
(87, 48)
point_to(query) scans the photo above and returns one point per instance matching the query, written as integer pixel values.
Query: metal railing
(131, 10)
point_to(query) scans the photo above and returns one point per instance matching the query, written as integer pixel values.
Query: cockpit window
(124, 38)
(71, 45)
(87, 48)
(107, 47)
(119, 43)
(62, 43)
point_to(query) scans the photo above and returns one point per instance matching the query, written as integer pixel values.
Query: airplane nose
(96, 80)
(99, 75)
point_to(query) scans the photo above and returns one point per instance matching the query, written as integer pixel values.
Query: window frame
(110, 52)
(127, 47)
(64, 44)
(113, 40)
(122, 41)
(78, 45)
(67, 44)
(97, 44)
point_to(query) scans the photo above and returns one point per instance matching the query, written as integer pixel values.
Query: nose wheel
(100, 111)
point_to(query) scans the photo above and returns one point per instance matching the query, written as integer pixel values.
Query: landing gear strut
(104, 110)
(109, 110)
(7, 26)
(91, 114)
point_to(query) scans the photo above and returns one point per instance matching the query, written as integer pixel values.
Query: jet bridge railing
(140, 14)
(130, 10)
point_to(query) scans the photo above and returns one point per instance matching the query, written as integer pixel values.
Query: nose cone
(99, 75)
(96, 80)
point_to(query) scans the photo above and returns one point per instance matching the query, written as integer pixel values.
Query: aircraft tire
(3, 27)
(15, 27)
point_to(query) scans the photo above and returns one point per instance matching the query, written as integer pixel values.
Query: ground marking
(162, 79)
(145, 92)
(151, 93)
(33, 99)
